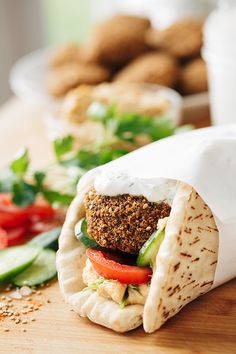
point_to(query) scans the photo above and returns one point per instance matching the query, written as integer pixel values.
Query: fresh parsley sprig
(25, 186)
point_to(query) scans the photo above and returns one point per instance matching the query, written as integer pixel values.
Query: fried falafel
(155, 68)
(123, 222)
(182, 39)
(116, 41)
(69, 76)
(193, 77)
(64, 54)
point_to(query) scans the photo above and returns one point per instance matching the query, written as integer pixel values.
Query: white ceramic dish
(28, 76)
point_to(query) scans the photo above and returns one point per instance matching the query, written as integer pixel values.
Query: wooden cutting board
(207, 325)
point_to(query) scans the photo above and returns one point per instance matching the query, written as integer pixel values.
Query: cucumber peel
(83, 236)
(47, 239)
(150, 249)
(14, 260)
(41, 270)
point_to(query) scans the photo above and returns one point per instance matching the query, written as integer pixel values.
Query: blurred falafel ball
(193, 77)
(68, 76)
(183, 39)
(117, 40)
(154, 68)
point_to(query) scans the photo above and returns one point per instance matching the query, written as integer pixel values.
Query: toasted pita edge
(186, 261)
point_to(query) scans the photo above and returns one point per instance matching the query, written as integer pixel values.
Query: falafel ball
(155, 68)
(193, 77)
(64, 54)
(69, 76)
(116, 41)
(182, 39)
(123, 222)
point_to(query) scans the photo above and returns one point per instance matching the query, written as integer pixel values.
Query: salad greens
(122, 135)
(26, 186)
(123, 132)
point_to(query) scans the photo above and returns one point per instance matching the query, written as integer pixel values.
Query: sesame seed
(23, 330)
(24, 322)
(6, 329)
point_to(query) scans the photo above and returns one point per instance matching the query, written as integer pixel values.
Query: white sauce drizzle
(154, 190)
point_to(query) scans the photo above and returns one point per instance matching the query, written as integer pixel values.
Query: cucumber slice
(83, 236)
(48, 239)
(14, 260)
(150, 249)
(42, 269)
(81, 228)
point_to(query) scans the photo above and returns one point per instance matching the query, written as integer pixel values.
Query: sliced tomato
(22, 223)
(3, 239)
(16, 236)
(107, 266)
(40, 209)
(11, 217)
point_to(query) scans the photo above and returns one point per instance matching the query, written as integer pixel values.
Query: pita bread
(185, 266)
(186, 261)
(71, 260)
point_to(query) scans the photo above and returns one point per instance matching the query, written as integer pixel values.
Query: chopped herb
(134, 287)
(95, 285)
(124, 301)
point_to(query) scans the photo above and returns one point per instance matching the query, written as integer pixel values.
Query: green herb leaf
(39, 178)
(57, 197)
(95, 285)
(23, 193)
(20, 164)
(62, 146)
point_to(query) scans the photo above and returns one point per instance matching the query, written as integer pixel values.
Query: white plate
(28, 76)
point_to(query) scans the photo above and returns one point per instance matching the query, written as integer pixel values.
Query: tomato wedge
(16, 236)
(14, 216)
(40, 209)
(10, 217)
(3, 239)
(106, 265)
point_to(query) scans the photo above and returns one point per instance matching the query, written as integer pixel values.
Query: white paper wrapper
(205, 159)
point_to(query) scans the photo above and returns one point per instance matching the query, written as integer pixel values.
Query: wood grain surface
(207, 325)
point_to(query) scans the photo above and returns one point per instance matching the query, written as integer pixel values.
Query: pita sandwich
(183, 265)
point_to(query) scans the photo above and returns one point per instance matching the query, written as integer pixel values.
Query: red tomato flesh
(3, 239)
(19, 224)
(16, 236)
(106, 265)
